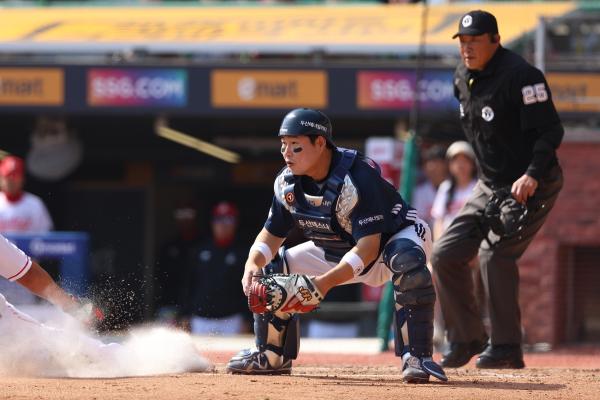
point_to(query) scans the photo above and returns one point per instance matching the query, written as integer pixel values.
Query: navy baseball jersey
(364, 203)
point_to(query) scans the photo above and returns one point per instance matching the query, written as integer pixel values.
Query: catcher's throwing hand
(250, 276)
(286, 293)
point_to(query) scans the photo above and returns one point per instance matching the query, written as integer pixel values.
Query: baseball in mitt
(286, 293)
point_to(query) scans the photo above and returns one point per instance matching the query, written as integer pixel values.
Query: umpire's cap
(477, 22)
(306, 121)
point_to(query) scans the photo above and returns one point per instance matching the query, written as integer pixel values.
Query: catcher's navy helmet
(306, 121)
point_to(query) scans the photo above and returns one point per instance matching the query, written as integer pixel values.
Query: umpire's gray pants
(463, 239)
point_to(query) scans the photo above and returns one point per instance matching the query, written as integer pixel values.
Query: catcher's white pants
(308, 259)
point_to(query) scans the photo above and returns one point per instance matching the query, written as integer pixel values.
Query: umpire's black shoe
(460, 354)
(501, 356)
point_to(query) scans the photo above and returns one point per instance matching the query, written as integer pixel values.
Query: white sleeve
(42, 222)
(419, 199)
(45, 221)
(438, 210)
(14, 263)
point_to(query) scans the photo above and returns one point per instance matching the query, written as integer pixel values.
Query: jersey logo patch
(487, 113)
(289, 197)
(467, 21)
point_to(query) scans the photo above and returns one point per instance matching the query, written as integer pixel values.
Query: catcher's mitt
(286, 293)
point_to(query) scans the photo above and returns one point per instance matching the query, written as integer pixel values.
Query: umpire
(507, 114)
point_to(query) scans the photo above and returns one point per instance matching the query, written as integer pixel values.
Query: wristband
(263, 249)
(355, 262)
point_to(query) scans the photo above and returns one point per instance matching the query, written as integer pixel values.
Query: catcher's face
(302, 156)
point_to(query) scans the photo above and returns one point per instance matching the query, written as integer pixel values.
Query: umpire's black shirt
(507, 114)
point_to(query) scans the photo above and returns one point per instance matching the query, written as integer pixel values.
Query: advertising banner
(268, 89)
(396, 90)
(70, 249)
(31, 87)
(573, 92)
(273, 28)
(137, 87)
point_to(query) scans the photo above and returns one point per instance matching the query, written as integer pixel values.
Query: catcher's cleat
(418, 370)
(433, 369)
(254, 362)
(412, 371)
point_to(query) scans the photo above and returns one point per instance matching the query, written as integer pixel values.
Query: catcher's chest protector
(315, 214)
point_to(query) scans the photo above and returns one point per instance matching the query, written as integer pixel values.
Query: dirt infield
(568, 374)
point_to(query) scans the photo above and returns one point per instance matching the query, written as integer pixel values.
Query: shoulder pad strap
(341, 170)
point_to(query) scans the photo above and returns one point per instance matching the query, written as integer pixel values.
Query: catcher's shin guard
(277, 344)
(288, 327)
(415, 297)
(282, 336)
(277, 338)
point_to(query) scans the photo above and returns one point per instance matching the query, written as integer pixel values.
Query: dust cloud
(36, 350)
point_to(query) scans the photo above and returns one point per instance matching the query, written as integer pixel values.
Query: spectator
(170, 271)
(214, 301)
(453, 193)
(435, 169)
(20, 211)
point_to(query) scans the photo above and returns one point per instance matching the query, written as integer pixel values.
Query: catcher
(360, 230)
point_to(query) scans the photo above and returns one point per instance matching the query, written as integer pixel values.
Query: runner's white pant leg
(39, 349)
(25, 352)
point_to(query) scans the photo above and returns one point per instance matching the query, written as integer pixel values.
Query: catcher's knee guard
(414, 295)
